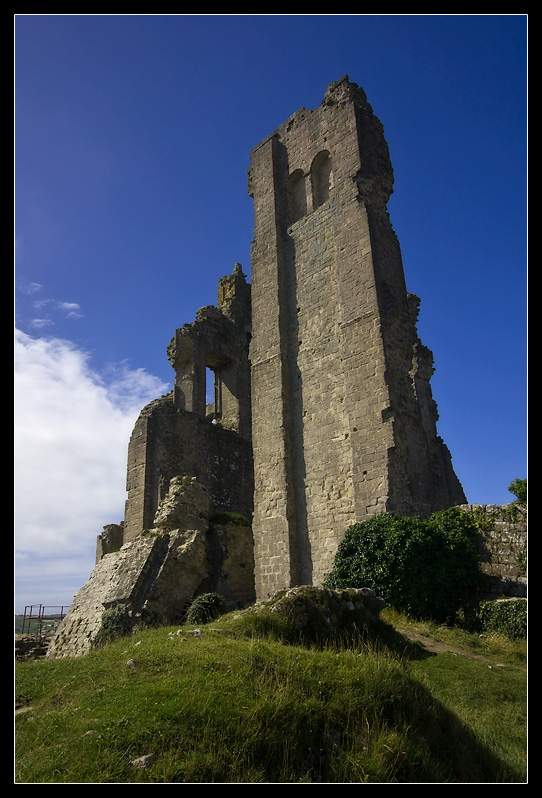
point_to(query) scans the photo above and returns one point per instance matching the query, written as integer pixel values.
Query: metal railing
(35, 616)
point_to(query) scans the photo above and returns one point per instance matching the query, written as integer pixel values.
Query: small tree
(519, 488)
(425, 568)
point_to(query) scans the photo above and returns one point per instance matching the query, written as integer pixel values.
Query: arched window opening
(297, 196)
(321, 178)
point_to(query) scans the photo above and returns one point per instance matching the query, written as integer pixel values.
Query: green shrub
(424, 568)
(205, 608)
(228, 517)
(504, 616)
(519, 488)
(115, 622)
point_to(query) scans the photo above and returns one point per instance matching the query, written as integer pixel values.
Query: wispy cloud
(40, 324)
(48, 308)
(71, 309)
(29, 288)
(72, 427)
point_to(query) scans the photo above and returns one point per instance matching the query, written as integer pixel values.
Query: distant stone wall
(503, 546)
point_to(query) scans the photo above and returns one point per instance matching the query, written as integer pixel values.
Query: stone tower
(343, 419)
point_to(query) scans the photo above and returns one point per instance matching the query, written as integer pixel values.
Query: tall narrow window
(213, 394)
(297, 196)
(321, 178)
(209, 386)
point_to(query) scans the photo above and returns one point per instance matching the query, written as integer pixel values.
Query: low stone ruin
(155, 576)
(316, 613)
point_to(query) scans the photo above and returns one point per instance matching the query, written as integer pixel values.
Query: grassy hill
(410, 703)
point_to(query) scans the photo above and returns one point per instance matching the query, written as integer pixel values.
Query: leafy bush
(205, 608)
(424, 568)
(519, 488)
(228, 517)
(504, 616)
(115, 622)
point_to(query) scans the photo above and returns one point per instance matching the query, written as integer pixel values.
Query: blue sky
(132, 144)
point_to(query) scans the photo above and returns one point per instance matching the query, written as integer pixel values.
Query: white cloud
(71, 309)
(29, 288)
(39, 324)
(72, 427)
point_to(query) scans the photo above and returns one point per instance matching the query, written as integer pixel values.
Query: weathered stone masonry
(344, 424)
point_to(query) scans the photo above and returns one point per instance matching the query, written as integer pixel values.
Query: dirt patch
(435, 647)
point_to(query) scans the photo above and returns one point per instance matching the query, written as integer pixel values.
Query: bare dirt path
(432, 646)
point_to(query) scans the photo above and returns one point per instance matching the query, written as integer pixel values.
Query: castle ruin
(322, 412)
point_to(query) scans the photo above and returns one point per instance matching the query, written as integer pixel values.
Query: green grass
(32, 625)
(239, 706)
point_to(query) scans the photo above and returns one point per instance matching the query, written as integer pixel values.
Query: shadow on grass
(378, 635)
(395, 642)
(436, 746)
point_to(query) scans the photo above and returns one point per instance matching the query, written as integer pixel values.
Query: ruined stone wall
(153, 578)
(343, 417)
(182, 433)
(503, 546)
(167, 442)
(190, 485)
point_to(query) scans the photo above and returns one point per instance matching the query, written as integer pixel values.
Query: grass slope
(239, 706)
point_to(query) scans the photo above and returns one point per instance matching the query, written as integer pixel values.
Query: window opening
(321, 178)
(212, 395)
(297, 197)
